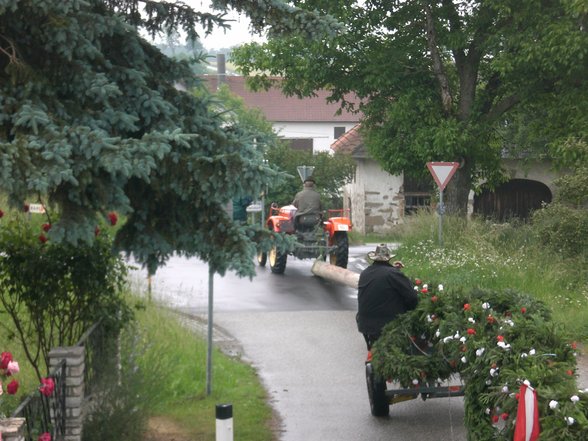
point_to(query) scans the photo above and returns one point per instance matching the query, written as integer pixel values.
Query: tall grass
(477, 253)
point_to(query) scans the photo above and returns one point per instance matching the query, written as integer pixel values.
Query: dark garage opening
(516, 198)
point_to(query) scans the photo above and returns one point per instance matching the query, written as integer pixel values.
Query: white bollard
(224, 422)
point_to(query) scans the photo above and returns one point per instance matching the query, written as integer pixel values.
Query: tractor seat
(307, 222)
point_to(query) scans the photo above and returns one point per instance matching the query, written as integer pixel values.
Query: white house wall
(375, 198)
(322, 133)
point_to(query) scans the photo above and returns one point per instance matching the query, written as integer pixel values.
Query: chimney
(221, 70)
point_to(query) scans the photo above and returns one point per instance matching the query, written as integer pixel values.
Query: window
(303, 144)
(339, 131)
(417, 194)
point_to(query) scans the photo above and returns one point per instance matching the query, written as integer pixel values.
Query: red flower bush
(12, 387)
(113, 218)
(47, 386)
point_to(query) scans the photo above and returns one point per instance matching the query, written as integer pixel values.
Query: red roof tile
(279, 108)
(350, 142)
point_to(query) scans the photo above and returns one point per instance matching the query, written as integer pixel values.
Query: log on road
(335, 273)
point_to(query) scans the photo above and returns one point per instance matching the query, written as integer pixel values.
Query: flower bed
(501, 344)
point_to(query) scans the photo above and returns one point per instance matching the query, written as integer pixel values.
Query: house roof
(351, 143)
(279, 108)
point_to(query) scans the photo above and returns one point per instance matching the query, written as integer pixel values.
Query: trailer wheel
(277, 260)
(340, 255)
(379, 404)
(261, 258)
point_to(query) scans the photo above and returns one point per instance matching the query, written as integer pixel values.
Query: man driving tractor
(308, 204)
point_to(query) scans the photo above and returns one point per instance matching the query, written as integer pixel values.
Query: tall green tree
(441, 80)
(93, 118)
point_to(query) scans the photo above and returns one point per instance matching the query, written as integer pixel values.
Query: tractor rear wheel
(277, 260)
(379, 404)
(340, 255)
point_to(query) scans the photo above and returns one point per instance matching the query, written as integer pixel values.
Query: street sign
(36, 208)
(442, 172)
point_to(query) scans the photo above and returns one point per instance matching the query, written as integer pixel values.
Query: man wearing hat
(383, 293)
(308, 204)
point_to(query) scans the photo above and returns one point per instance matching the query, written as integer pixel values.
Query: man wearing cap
(308, 204)
(383, 293)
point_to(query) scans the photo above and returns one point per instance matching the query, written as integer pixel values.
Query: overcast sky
(238, 34)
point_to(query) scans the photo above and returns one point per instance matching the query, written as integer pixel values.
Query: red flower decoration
(47, 386)
(5, 358)
(25, 208)
(504, 416)
(42, 238)
(471, 331)
(44, 437)
(1, 214)
(46, 227)
(523, 310)
(425, 290)
(574, 345)
(12, 387)
(96, 231)
(113, 218)
(467, 307)
(417, 281)
(491, 320)
(570, 372)
(495, 419)
(434, 299)
(500, 338)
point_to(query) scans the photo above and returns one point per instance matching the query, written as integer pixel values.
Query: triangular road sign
(442, 172)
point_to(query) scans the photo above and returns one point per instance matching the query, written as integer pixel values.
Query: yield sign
(442, 172)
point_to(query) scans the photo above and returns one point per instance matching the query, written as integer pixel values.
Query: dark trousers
(370, 339)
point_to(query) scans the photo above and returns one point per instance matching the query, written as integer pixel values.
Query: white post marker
(224, 422)
(442, 173)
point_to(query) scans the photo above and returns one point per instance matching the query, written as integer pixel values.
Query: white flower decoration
(485, 305)
(532, 352)
(429, 318)
(416, 288)
(437, 333)
(446, 339)
(493, 372)
(480, 352)
(553, 404)
(524, 355)
(488, 411)
(456, 336)
(463, 339)
(440, 287)
(574, 398)
(415, 381)
(425, 286)
(464, 360)
(503, 345)
(471, 320)
(505, 389)
(570, 420)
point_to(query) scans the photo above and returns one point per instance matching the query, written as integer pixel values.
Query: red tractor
(325, 237)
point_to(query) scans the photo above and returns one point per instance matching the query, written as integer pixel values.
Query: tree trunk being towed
(335, 273)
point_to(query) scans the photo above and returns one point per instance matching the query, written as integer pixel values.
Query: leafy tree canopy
(443, 80)
(93, 119)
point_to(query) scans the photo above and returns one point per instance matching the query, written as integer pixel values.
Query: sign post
(442, 173)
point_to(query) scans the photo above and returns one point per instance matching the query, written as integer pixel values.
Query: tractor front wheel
(277, 260)
(340, 255)
(261, 258)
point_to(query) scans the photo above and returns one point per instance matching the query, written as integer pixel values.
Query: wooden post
(335, 273)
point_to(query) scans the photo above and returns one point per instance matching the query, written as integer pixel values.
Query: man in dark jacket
(383, 293)
(308, 204)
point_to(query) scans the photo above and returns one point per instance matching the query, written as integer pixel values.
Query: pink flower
(12, 368)
(113, 218)
(47, 386)
(12, 387)
(417, 281)
(523, 310)
(425, 290)
(434, 299)
(5, 358)
(500, 338)
(471, 331)
(44, 437)
(466, 307)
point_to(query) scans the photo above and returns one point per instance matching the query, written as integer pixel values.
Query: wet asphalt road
(299, 332)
